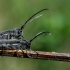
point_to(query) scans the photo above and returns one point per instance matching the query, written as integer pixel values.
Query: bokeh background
(13, 14)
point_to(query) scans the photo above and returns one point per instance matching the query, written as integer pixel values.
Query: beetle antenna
(35, 18)
(39, 35)
(32, 17)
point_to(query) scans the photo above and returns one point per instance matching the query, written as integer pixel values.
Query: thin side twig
(37, 55)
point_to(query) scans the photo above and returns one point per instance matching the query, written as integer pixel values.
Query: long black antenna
(32, 17)
(39, 35)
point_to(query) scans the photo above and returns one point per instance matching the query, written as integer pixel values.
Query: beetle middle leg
(2, 51)
(17, 48)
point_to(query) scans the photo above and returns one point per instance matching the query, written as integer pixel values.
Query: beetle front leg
(35, 52)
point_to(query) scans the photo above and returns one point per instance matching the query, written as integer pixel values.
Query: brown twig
(37, 55)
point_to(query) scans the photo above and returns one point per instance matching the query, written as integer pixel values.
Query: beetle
(17, 32)
(19, 43)
(7, 41)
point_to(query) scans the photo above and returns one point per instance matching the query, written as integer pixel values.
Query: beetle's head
(28, 44)
(17, 32)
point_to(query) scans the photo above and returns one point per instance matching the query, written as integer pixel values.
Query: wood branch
(37, 55)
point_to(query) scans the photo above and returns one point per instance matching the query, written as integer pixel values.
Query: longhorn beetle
(6, 41)
(19, 43)
(17, 33)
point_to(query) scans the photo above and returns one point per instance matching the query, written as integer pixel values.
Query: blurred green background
(13, 14)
